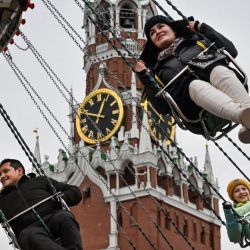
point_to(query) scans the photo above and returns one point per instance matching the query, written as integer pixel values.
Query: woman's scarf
(170, 50)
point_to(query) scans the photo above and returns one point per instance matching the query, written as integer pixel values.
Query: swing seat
(207, 125)
(10, 19)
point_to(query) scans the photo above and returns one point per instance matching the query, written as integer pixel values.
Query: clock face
(160, 126)
(99, 116)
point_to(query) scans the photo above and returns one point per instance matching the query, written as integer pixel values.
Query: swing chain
(7, 228)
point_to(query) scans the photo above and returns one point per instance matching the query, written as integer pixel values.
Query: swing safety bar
(183, 71)
(34, 206)
(244, 219)
(220, 125)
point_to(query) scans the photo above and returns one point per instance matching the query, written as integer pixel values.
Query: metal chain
(172, 6)
(140, 229)
(115, 48)
(55, 16)
(37, 95)
(169, 138)
(231, 160)
(61, 125)
(31, 46)
(161, 8)
(175, 9)
(240, 150)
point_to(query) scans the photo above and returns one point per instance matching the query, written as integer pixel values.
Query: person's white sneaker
(244, 135)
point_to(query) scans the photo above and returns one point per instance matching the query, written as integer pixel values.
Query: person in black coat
(20, 192)
(210, 84)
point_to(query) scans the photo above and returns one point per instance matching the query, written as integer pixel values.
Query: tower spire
(37, 153)
(134, 129)
(145, 140)
(208, 166)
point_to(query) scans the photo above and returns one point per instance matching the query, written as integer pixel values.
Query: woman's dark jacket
(29, 191)
(169, 67)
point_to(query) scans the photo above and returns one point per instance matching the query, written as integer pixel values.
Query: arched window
(185, 228)
(211, 238)
(167, 220)
(128, 176)
(161, 177)
(119, 216)
(192, 193)
(176, 183)
(203, 235)
(101, 171)
(127, 16)
(207, 194)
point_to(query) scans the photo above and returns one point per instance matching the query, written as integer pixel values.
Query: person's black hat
(150, 51)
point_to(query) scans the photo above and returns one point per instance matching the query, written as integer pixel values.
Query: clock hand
(100, 111)
(85, 112)
(96, 115)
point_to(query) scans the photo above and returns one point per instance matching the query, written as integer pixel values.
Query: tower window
(127, 17)
(101, 171)
(167, 221)
(119, 216)
(194, 231)
(202, 235)
(192, 193)
(177, 221)
(185, 228)
(211, 238)
(129, 175)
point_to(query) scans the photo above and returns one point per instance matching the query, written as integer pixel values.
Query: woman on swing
(239, 192)
(170, 46)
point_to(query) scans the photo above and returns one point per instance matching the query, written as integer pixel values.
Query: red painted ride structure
(10, 20)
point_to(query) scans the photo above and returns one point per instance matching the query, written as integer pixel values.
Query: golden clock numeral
(91, 102)
(83, 120)
(113, 121)
(106, 99)
(99, 97)
(99, 136)
(168, 130)
(169, 123)
(108, 131)
(113, 103)
(84, 129)
(91, 134)
(115, 111)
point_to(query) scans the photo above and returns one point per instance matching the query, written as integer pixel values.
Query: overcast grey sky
(228, 17)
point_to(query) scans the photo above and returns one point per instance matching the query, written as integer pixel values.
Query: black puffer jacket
(29, 191)
(168, 68)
